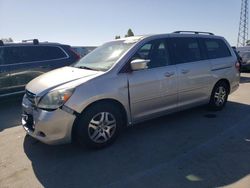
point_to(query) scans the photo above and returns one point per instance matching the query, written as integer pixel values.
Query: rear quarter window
(216, 48)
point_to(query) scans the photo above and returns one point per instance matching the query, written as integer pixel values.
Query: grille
(30, 96)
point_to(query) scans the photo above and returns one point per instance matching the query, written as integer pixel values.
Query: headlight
(55, 99)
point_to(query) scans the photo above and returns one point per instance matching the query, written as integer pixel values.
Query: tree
(129, 33)
(7, 39)
(117, 37)
(248, 42)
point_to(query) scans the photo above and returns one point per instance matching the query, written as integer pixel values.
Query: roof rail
(194, 32)
(1, 43)
(35, 41)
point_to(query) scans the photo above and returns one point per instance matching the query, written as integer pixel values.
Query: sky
(93, 22)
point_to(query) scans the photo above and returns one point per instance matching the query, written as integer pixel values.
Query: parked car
(127, 81)
(244, 53)
(21, 62)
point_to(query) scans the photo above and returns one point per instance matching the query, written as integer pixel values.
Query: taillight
(237, 65)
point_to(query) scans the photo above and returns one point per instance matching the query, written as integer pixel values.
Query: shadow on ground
(143, 147)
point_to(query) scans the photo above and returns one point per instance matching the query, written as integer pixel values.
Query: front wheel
(99, 125)
(219, 96)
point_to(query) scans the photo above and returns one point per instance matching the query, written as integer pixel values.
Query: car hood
(59, 77)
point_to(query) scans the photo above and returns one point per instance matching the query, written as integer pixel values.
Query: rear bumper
(50, 127)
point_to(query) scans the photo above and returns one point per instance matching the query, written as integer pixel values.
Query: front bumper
(50, 127)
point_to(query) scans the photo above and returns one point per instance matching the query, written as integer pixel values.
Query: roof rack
(194, 32)
(35, 41)
(1, 43)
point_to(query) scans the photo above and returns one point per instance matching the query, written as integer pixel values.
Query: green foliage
(7, 39)
(117, 37)
(129, 33)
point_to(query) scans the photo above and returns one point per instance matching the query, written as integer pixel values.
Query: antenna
(243, 27)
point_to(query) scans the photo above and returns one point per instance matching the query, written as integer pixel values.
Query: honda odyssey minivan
(127, 81)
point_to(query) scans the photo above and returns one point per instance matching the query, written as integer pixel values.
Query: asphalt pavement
(193, 148)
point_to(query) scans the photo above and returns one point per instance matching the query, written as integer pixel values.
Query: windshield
(105, 56)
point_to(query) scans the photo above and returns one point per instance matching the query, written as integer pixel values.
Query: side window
(1, 56)
(156, 52)
(11, 55)
(216, 48)
(23, 54)
(50, 52)
(41, 53)
(144, 51)
(185, 50)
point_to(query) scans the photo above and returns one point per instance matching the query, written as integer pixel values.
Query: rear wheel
(219, 96)
(99, 125)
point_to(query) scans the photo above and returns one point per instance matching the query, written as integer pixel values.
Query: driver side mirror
(139, 64)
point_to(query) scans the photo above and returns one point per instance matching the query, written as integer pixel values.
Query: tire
(219, 96)
(99, 125)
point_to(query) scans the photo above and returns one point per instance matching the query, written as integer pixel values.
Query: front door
(154, 90)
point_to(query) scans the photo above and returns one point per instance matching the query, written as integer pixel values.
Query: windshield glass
(105, 56)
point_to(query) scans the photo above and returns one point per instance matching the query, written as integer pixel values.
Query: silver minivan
(127, 81)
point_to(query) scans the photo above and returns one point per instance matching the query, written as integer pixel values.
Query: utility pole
(243, 27)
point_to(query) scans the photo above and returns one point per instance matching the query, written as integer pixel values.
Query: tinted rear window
(216, 48)
(22, 54)
(185, 49)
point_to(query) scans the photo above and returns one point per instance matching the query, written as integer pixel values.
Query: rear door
(193, 71)
(153, 90)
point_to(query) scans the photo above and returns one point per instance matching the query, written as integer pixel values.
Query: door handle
(184, 71)
(169, 74)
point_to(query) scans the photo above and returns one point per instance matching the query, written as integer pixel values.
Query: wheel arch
(110, 101)
(226, 81)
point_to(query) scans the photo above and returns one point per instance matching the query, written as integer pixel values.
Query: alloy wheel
(102, 127)
(220, 96)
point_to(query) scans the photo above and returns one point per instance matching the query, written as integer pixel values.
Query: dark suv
(21, 62)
